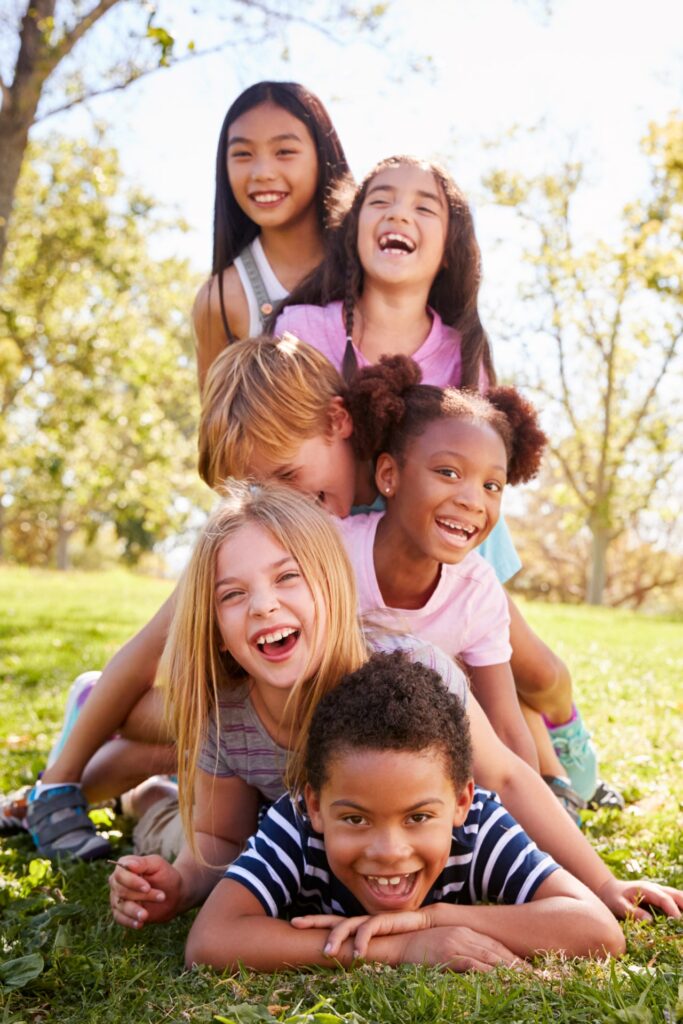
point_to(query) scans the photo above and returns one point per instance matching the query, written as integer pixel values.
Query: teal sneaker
(576, 753)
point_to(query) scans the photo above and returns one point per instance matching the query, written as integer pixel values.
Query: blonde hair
(195, 670)
(267, 396)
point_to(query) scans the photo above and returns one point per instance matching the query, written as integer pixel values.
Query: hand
(457, 948)
(363, 928)
(624, 898)
(151, 881)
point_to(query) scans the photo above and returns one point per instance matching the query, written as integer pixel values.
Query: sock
(556, 725)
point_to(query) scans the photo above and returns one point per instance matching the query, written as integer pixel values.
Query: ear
(312, 801)
(463, 803)
(341, 424)
(386, 475)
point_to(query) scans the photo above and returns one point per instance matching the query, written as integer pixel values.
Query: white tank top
(274, 288)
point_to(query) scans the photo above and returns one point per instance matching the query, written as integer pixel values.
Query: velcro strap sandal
(568, 797)
(60, 827)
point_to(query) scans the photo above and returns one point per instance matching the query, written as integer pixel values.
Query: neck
(391, 321)
(270, 704)
(365, 491)
(294, 249)
(406, 577)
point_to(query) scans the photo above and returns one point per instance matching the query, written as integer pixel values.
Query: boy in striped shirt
(387, 850)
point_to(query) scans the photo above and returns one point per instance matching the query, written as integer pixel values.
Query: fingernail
(328, 949)
(145, 888)
(356, 954)
(160, 896)
(140, 915)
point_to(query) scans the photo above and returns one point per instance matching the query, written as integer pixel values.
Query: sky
(562, 77)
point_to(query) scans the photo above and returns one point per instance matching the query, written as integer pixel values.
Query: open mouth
(392, 242)
(456, 530)
(391, 888)
(279, 643)
(267, 198)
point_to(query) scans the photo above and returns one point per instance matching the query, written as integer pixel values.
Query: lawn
(75, 966)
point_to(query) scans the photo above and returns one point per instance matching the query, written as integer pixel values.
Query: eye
(291, 574)
(427, 209)
(354, 819)
(239, 153)
(320, 497)
(448, 472)
(420, 818)
(378, 202)
(229, 595)
(287, 152)
(494, 487)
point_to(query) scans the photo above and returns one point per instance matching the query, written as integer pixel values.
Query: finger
(339, 934)
(462, 964)
(128, 880)
(316, 921)
(637, 913)
(363, 936)
(664, 898)
(128, 915)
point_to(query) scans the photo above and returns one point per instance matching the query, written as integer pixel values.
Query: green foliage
(606, 360)
(55, 917)
(98, 392)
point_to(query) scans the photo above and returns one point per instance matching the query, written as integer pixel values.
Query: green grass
(80, 968)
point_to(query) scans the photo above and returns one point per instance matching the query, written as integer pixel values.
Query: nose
(262, 169)
(469, 495)
(263, 601)
(399, 210)
(388, 847)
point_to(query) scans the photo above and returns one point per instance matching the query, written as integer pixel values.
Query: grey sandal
(60, 827)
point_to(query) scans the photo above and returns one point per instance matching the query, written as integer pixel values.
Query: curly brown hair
(455, 289)
(390, 408)
(390, 703)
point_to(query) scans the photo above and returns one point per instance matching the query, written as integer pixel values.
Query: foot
(606, 796)
(58, 821)
(568, 797)
(13, 811)
(572, 744)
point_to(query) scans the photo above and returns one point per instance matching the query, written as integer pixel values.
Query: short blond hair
(194, 669)
(263, 396)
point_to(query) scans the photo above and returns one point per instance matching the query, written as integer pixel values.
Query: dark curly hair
(390, 703)
(232, 228)
(390, 408)
(454, 291)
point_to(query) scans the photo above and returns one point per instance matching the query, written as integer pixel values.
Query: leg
(542, 679)
(122, 764)
(550, 766)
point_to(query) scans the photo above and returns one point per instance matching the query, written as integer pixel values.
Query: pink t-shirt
(467, 615)
(323, 327)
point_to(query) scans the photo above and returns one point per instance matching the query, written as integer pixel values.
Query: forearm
(198, 879)
(126, 678)
(564, 924)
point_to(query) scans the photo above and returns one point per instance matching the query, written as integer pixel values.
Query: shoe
(576, 754)
(568, 797)
(58, 821)
(80, 690)
(606, 796)
(13, 811)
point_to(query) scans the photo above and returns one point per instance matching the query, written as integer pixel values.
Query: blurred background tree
(601, 323)
(98, 396)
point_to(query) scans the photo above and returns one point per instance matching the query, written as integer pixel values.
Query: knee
(544, 673)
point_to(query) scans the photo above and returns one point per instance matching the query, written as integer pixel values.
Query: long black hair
(232, 228)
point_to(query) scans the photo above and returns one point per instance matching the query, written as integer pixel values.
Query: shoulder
(303, 319)
(206, 310)
(473, 569)
(355, 529)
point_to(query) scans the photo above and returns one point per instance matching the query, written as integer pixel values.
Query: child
(265, 623)
(394, 838)
(279, 159)
(403, 278)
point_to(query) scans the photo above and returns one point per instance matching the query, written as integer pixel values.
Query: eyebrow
(420, 192)
(406, 810)
(275, 565)
(292, 136)
(459, 455)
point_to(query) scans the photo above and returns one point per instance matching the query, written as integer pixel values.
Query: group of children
(361, 449)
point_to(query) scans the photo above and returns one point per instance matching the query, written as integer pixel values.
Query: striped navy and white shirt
(491, 858)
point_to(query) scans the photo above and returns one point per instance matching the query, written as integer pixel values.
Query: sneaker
(80, 690)
(13, 811)
(606, 796)
(572, 744)
(568, 797)
(59, 824)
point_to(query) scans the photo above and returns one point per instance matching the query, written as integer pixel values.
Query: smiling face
(402, 226)
(445, 496)
(323, 466)
(387, 818)
(272, 166)
(266, 612)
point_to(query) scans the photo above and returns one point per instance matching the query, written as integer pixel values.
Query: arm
(150, 890)
(232, 929)
(494, 688)
(126, 678)
(530, 801)
(207, 321)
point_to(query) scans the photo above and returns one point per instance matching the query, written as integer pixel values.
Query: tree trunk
(63, 535)
(19, 105)
(596, 580)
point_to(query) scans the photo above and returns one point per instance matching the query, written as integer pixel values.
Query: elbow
(605, 937)
(199, 949)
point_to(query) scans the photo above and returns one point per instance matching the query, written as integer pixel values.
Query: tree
(47, 37)
(604, 355)
(97, 381)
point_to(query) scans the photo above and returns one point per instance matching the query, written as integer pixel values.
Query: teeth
(383, 880)
(403, 241)
(453, 525)
(279, 634)
(267, 197)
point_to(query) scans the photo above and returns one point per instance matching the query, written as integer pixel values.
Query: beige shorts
(159, 830)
